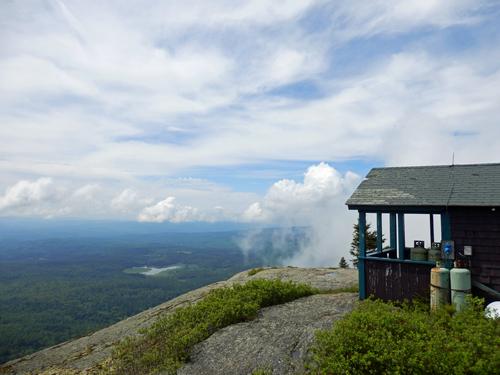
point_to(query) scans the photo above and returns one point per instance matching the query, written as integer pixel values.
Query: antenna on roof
(453, 159)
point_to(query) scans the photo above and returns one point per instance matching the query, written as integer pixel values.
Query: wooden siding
(479, 228)
(392, 281)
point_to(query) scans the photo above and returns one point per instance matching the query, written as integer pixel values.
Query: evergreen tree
(343, 263)
(371, 242)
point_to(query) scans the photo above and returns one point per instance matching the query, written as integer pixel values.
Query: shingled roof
(442, 186)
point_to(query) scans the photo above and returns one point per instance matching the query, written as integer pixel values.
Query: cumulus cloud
(296, 202)
(129, 200)
(317, 203)
(87, 192)
(169, 210)
(28, 194)
(124, 199)
(48, 197)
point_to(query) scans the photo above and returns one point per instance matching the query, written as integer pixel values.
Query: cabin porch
(389, 273)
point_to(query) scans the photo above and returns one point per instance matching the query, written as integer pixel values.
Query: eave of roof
(429, 187)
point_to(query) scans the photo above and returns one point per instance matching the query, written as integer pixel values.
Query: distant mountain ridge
(29, 229)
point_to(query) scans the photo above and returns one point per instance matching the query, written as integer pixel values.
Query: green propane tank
(418, 252)
(434, 253)
(460, 286)
(440, 287)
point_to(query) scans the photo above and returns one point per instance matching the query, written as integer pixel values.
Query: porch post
(445, 227)
(431, 222)
(401, 235)
(379, 232)
(393, 240)
(362, 255)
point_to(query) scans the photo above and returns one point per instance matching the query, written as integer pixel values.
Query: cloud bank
(318, 203)
(27, 193)
(189, 110)
(168, 210)
(117, 91)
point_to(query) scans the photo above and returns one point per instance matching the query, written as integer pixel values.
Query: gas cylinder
(440, 287)
(460, 286)
(434, 253)
(418, 252)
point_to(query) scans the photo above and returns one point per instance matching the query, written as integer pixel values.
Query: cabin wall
(479, 228)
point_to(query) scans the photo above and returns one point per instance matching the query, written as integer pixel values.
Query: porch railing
(390, 278)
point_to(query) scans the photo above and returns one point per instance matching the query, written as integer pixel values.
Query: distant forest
(53, 290)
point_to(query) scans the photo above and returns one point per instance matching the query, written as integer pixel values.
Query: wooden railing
(385, 253)
(393, 279)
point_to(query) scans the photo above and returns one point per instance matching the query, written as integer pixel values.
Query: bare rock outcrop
(276, 340)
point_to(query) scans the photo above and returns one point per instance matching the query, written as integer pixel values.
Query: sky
(247, 111)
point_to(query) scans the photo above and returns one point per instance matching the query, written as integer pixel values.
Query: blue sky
(264, 111)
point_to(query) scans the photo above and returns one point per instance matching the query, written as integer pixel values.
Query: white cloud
(109, 93)
(169, 210)
(93, 89)
(129, 200)
(124, 200)
(254, 212)
(48, 197)
(87, 192)
(297, 202)
(361, 18)
(28, 193)
(318, 203)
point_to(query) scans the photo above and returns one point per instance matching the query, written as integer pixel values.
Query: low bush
(347, 289)
(255, 271)
(382, 338)
(166, 344)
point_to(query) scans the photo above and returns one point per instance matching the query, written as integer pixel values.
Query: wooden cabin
(467, 200)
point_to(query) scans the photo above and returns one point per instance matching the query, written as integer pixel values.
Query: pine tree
(371, 242)
(343, 263)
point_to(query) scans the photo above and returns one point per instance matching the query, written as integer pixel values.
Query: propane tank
(440, 287)
(418, 252)
(434, 253)
(460, 286)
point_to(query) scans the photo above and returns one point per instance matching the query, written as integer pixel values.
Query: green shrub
(255, 271)
(347, 289)
(166, 344)
(382, 338)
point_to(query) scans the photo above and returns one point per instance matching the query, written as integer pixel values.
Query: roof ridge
(440, 185)
(439, 166)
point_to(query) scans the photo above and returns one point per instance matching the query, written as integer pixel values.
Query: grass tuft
(347, 289)
(165, 346)
(255, 271)
(262, 371)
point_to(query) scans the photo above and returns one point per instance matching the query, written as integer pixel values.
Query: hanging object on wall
(448, 253)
